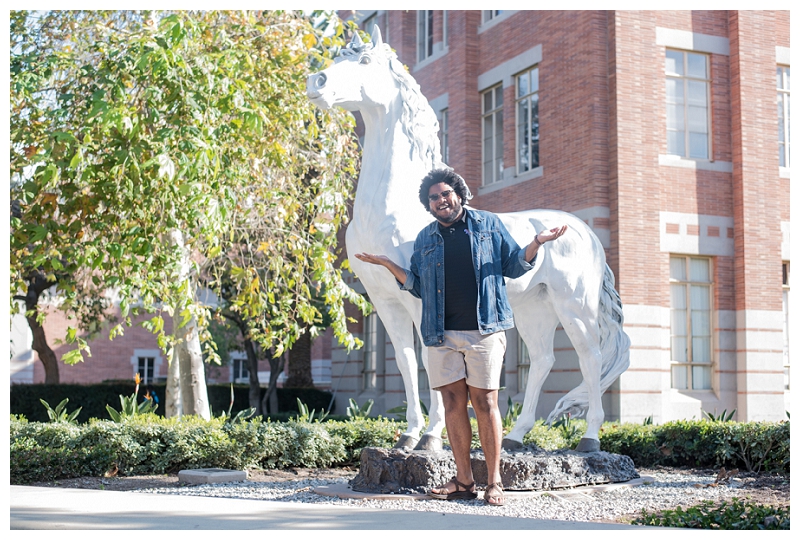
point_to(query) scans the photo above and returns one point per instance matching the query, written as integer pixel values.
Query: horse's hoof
(588, 445)
(511, 445)
(407, 442)
(429, 442)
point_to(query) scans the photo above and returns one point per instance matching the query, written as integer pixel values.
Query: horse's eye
(365, 60)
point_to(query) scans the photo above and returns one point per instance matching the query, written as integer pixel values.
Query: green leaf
(72, 357)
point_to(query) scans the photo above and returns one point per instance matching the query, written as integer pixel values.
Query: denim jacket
(494, 254)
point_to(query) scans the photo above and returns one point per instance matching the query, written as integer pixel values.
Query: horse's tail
(614, 348)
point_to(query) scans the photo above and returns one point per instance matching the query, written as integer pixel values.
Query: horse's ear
(377, 40)
(356, 42)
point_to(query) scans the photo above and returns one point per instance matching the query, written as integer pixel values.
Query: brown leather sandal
(465, 493)
(497, 486)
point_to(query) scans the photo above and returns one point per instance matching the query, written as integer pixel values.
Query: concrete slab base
(344, 491)
(211, 476)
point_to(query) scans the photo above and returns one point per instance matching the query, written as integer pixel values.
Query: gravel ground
(669, 489)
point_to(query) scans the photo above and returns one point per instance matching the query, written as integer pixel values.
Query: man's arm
(382, 260)
(540, 239)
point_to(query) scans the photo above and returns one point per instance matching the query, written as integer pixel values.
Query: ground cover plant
(727, 515)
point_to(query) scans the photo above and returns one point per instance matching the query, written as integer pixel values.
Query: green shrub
(359, 433)
(31, 462)
(752, 446)
(733, 515)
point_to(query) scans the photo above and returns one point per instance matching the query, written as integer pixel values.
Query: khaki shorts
(466, 354)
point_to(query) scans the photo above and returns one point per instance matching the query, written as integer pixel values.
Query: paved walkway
(87, 509)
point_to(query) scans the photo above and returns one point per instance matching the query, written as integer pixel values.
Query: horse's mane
(419, 122)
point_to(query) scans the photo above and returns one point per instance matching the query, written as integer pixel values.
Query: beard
(448, 215)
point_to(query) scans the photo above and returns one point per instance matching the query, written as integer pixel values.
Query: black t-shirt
(460, 285)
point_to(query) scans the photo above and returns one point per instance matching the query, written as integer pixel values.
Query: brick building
(661, 130)
(667, 132)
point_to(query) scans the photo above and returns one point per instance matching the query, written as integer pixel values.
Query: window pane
(678, 323)
(522, 84)
(677, 268)
(488, 132)
(782, 155)
(674, 91)
(700, 297)
(535, 79)
(701, 350)
(674, 64)
(781, 132)
(699, 269)
(779, 77)
(678, 296)
(697, 65)
(487, 102)
(698, 119)
(498, 147)
(534, 130)
(679, 379)
(675, 117)
(698, 145)
(523, 139)
(675, 143)
(697, 93)
(701, 377)
(786, 80)
(498, 97)
(701, 326)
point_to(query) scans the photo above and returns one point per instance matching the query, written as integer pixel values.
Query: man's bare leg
(459, 432)
(490, 431)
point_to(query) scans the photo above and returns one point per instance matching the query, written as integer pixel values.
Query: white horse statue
(570, 283)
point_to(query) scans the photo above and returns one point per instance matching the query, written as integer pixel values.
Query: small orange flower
(137, 378)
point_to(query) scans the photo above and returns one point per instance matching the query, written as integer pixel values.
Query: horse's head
(360, 76)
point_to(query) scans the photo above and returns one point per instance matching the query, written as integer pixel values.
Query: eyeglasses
(444, 194)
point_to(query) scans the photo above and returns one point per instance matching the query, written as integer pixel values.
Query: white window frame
(494, 113)
(528, 98)
(444, 132)
(786, 367)
(149, 365)
(689, 336)
(489, 14)
(424, 34)
(685, 79)
(236, 374)
(784, 135)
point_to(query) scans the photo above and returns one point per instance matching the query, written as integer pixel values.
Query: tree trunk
(36, 286)
(269, 402)
(173, 406)
(254, 395)
(194, 393)
(300, 363)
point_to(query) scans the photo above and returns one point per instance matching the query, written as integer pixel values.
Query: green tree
(145, 145)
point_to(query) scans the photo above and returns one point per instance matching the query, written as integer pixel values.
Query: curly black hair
(449, 177)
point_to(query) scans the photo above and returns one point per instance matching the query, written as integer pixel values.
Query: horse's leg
(399, 326)
(536, 323)
(579, 320)
(432, 438)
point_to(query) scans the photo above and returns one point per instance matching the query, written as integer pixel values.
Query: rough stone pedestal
(394, 470)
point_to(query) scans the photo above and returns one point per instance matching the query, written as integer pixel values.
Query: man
(457, 270)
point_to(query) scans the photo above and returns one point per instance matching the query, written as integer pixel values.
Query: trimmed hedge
(93, 398)
(753, 446)
(149, 444)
